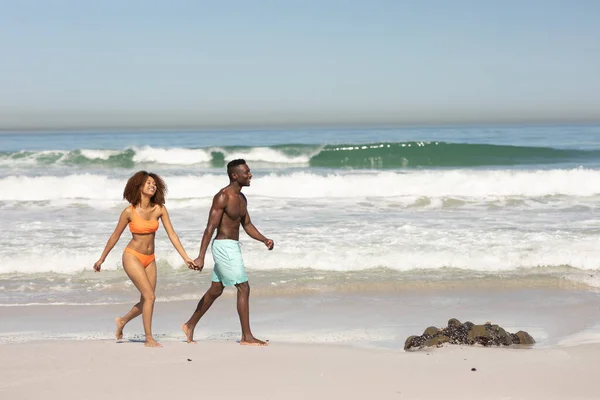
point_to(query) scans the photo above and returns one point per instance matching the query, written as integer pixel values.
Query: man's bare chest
(236, 210)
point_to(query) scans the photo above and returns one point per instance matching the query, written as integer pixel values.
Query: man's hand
(188, 261)
(270, 244)
(198, 264)
(97, 266)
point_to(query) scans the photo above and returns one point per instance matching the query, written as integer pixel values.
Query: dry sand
(223, 369)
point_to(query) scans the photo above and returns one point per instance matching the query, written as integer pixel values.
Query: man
(229, 211)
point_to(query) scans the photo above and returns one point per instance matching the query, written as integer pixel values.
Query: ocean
(384, 218)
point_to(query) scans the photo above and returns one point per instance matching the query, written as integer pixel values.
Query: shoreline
(365, 320)
(99, 369)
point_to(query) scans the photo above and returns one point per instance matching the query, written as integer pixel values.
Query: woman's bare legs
(144, 280)
(136, 310)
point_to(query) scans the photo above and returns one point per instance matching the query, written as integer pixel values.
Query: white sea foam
(590, 335)
(99, 154)
(466, 184)
(346, 253)
(64, 260)
(171, 156)
(183, 156)
(162, 156)
(267, 155)
(39, 188)
(28, 159)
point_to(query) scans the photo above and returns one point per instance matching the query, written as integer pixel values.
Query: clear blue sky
(86, 62)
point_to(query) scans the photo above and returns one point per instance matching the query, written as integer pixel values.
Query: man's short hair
(233, 164)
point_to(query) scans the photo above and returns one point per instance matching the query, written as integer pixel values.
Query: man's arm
(214, 219)
(253, 232)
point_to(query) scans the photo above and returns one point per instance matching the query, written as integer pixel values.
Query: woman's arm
(114, 238)
(166, 220)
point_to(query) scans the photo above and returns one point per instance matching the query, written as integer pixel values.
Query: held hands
(197, 264)
(189, 262)
(97, 266)
(270, 244)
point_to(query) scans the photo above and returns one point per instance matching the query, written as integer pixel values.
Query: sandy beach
(346, 346)
(104, 369)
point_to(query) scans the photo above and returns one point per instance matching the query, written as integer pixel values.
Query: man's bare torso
(233, 215)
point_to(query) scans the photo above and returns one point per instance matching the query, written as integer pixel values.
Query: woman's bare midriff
(142, 243)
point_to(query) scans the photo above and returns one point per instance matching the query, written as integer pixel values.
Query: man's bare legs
(213, 292)
(243, 308)
(136, 310)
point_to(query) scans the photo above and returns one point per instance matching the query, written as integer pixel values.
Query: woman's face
(149, 188)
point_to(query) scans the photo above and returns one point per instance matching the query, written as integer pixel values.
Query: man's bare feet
(253, 342)
(120, 326)
(189, 333)
(152, 343)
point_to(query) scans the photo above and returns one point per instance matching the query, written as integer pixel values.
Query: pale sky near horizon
(137, 62)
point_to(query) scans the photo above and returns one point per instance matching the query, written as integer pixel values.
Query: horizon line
(241, 125)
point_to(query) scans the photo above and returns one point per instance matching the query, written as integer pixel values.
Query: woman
(146, 193)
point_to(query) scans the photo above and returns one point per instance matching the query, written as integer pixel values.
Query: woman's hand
(98, 265)
(190, 263)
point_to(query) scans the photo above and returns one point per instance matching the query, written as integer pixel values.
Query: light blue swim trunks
(229, 266)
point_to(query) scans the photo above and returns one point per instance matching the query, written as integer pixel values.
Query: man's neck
(235, 186)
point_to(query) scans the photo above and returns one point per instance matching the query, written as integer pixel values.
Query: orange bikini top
(141, 225)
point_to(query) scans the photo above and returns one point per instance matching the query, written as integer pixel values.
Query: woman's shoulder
(159, 209)
(127, 210)
(126, 213)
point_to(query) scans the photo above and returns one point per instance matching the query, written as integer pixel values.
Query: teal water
(580, 137)
(380, 155)
(383, 207)
(379, 232)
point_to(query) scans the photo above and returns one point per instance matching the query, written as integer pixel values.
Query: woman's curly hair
(132, 192)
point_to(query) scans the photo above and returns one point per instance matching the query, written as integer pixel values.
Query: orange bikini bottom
(145, 259)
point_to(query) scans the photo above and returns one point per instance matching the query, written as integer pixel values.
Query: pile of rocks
(467, 334)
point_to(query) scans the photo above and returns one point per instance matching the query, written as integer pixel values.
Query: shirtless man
(228, 212)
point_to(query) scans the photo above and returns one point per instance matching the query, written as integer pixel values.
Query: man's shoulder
(224, 192)
(221, 196)
(227, 194)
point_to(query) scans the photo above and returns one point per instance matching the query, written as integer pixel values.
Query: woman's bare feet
(189, 333)
(120, 326)
(253, 342)
(152, 343)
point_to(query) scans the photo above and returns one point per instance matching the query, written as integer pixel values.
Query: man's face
(243, 175)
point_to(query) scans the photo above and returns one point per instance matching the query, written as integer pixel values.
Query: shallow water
(387, 215)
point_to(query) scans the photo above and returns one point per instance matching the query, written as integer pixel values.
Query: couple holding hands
(146, 194)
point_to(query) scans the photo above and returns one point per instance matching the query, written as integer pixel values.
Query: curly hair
(133, 192)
